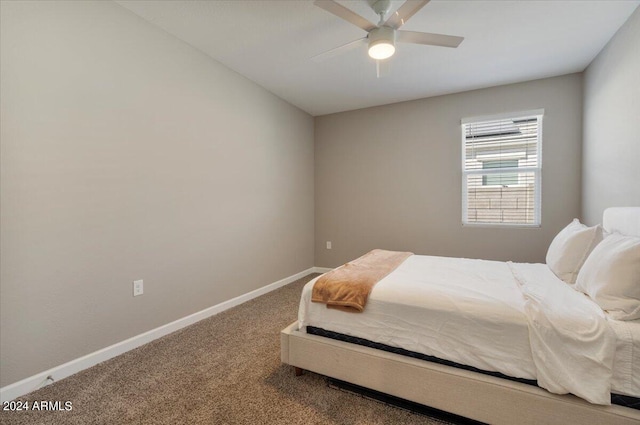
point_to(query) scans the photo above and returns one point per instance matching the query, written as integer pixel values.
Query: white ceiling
(271, 42)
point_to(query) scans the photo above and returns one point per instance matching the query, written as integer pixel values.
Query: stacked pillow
(607, 270)
(611, 276)
(570, 248)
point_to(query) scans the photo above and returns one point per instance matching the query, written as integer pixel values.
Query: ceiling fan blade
(428, 38)
(338, 50)
(404, 12)
(342, 12)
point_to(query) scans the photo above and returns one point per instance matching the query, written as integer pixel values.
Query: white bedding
(474, 312)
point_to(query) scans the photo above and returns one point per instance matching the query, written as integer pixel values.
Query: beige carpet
(222, 370)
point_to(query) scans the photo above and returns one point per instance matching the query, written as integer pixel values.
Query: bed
(462, 314)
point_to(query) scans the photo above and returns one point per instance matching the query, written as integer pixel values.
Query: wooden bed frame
(470, 394)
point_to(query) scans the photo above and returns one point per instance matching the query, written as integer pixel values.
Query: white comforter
(517, 319)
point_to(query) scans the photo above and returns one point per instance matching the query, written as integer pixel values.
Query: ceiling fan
(382, 37)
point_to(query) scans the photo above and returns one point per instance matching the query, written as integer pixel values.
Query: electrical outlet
(328, 244)
(138, 287)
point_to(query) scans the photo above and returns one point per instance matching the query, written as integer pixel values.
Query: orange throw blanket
(348, 287)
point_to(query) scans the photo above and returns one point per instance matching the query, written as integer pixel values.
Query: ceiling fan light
(381, 50)
(382, 43)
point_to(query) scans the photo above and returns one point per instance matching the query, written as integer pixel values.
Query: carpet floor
(223, 370)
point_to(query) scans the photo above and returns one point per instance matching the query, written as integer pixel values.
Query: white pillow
(570, 248)
(611, 276)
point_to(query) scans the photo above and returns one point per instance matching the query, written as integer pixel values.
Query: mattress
(620, 400)
(466, 311)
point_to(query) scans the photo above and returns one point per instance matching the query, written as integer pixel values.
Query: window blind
(501, 169)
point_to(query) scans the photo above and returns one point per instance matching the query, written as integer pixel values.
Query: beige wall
(611, 150)
(389, 177)
(128, 155)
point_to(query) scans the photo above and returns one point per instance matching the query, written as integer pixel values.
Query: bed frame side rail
(481, 397)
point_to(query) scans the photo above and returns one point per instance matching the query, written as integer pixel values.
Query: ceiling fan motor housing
(382, 41)
(386, 34)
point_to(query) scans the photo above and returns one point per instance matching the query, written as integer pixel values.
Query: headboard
(625, 220)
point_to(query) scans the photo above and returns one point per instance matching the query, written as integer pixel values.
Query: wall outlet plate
(328, 244)
(138, 287)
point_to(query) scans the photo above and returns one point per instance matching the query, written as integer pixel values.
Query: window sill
(503, 225)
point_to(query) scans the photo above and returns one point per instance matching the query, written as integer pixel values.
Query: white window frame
(536, 113)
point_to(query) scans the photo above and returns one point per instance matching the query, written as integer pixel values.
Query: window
(501, 167)
(499, 179)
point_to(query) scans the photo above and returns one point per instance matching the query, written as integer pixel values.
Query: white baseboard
(321, 269)
(57, 373)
